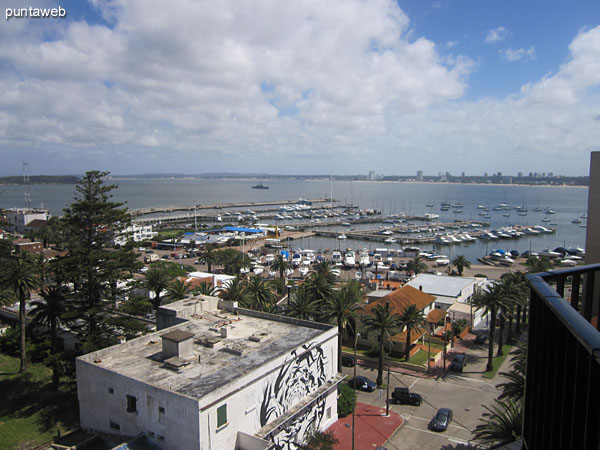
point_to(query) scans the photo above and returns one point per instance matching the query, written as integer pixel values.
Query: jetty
(173, 208)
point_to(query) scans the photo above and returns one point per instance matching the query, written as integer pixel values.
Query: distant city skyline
(299, 87)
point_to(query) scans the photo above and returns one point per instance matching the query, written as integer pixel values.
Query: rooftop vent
(177, 343)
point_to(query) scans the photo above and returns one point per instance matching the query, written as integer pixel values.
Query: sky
(300, 87)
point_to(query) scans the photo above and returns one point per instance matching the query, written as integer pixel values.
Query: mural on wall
(303, 425)
(296, 379)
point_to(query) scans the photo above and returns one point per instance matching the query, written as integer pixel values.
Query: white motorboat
(258, 270)
(336, 258)
(363, 258)
(335, 271)
(341, 236)
(303, 270)
(296, 259)
(349, 259)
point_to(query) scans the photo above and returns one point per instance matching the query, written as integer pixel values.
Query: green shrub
(346, 400)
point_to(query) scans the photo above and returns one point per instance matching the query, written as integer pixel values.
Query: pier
(168, 209)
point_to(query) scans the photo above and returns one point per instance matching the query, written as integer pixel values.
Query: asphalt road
(465, 393)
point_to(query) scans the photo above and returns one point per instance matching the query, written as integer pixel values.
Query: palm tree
(302, 306)
(417, 265)
(19, 277)
(319, 286)
(341, 307)
(157, 281)
(516, 290)
(411, 318)
(281, 265)
(177, 290)
(323, 268)
(384, 323)
(490, 300)
(41, 266)
(461, 262)
(206, 288)
(209, 256)
(49, 313)
(234, 290)
(539, 264)
(258, 294)
(501, 424)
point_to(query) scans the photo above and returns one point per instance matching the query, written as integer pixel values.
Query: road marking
(437, 434)
(469, 379)
(459, 441)
(415, 382)
(467, 387)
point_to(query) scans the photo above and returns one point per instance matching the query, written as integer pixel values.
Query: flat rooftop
(217, 360)
(441, 285)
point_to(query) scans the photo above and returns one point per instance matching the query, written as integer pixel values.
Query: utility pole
(354, 387)
(387, 395)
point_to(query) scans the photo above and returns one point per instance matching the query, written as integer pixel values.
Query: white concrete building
(453, 294)
(136, 233)
(215, 379)
(19, 218)
(447, 290)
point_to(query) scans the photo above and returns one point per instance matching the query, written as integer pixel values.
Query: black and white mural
(303, 374)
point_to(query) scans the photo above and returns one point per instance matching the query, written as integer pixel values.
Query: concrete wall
(260, 397)
(176, 428)
(592, 241)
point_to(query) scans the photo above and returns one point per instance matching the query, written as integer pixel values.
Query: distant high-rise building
(543, 174)
(462, 174)
(372, 175)
(520, 174)
(485, 174)
(420, 175)
(499, 174)
(550, 174)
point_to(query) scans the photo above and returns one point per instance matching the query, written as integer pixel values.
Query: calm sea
(410, 198)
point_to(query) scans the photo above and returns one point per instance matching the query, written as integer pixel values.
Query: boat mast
(330, 188)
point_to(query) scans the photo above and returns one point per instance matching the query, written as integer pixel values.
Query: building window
(114, 425)
(111, 390)
(161, 438)
(221, 416)
(131, 403)
(161, 410)
(329, 412)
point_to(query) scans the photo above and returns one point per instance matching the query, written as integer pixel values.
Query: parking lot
(465, 393)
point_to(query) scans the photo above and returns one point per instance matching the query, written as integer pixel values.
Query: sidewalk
(373, 428)
(437, 369)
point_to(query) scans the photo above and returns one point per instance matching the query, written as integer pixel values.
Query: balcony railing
(562, 391)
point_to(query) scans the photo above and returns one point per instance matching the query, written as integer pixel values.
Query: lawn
(498, 360)
(419, 358)
(31, 411)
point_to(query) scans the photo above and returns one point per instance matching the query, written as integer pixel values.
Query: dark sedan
(348, 361)
(363, 384)
(441, 420)
(459, 362)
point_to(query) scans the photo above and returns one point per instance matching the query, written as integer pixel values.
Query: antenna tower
(26, 185)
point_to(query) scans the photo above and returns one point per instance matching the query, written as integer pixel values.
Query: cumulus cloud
(510, 54)
(273, 86)
(496, 35)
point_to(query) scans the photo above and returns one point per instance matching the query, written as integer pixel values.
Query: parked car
(459, 362)
(348, 361)
(441, 420)
(402, 395)
(481, 339)
(363, 384)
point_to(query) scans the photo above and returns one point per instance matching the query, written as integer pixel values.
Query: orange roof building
(399, 300)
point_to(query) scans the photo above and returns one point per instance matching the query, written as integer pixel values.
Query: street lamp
(356, 336)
